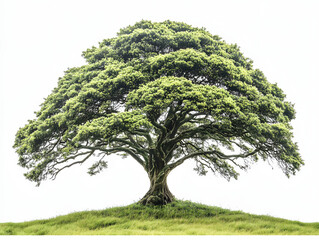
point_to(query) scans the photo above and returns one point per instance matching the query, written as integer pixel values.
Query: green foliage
(177, 218)
(161, 93)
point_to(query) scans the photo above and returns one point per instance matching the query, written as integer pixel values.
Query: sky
(41, 39)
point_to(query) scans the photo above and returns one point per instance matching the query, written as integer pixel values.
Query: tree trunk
(158, 194)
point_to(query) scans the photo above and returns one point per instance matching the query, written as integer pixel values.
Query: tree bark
(158, 194)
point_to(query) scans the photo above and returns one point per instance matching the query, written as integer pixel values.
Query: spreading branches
(161, 93)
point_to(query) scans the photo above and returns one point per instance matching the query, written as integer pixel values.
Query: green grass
(178, 218)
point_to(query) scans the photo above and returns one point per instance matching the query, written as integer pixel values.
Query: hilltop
(177, 218)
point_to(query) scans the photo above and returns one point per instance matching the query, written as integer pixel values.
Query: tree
(161, 93)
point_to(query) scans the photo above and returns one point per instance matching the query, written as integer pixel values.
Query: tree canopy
(161, 93)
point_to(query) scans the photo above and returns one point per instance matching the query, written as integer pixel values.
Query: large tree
(161, 93)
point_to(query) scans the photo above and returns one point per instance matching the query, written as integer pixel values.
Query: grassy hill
(178, 218)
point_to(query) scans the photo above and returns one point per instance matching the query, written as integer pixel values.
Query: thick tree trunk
(158, 194)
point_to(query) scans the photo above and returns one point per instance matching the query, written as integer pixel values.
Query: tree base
(157, 198)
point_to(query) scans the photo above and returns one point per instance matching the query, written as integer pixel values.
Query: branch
(145, 134)
(67, 166)
(244, 155)
(190, 133)
(158, 126)
(72, 157)
(191, 117)
(181, 160)
(54, 145)
(118, 149)
(133, 144)
(219, 154)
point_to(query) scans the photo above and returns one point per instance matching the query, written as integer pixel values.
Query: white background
(40, 39)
